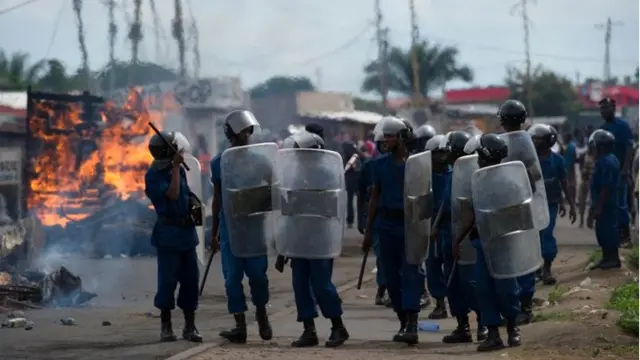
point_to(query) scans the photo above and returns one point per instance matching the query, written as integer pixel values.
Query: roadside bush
(625, 300)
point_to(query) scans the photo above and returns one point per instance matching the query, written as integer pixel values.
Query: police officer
(495, 296)
(238, 127)
(604, 203)
(386, 213)
(623, 151)
(365, 187)
(423, 134)
(174, 236)
(555, 180)
(311, 278)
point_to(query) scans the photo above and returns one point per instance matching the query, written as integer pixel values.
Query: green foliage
(633, 257)
(140, 73)
(277, 85)
(595, 256)
(625, 300)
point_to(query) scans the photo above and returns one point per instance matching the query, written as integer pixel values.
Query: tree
(53, 77)
(553, 94)
(281, 85)
(438, 65)
(128, 74)
(16, 73)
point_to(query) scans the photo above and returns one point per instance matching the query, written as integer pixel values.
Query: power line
(16, 7)
(56, 26)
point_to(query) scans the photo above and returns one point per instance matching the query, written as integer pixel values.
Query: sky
(330, 41)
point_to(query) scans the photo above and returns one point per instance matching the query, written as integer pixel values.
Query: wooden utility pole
(381, 38)
(418, 99)
(528, 83)
(607, 44)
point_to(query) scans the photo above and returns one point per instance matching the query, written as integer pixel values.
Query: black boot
(481, 333)
(190, 332)
(309, 336)
(526, 310)
(462, 333)
(237, 335)
(380, 299)
(264, 327)
(166, 330)
(338, 334)
(440, 311)
(547, 277)
(610, 260)
(410, 334)
(513, 333)
(493, 340)
(402, 316)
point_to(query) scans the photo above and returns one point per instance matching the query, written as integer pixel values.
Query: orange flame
(64, 187)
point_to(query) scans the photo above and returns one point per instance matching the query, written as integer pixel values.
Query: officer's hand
(572, 214)
(177, 159)
(368, 241)
(561, 210)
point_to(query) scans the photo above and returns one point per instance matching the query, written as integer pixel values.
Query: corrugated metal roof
(14, 99)
(364, 117)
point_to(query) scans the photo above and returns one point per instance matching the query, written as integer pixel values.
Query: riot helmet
(472, 145)
(454, 143)
(422, 135)
(512, 113)
(315, 129)
(395, 132)
(240, 124)
(378, 139)
(491, 150)
(160, 145)
(603, 141)
(543, 136)
(437, 154)
(473, 130)
(303, 140)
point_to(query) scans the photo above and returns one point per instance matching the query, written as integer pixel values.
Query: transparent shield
(247, 179)
(194, 179)
(521, 148)
(462, 204)
(310, 204)
(502, 201)
(418, 207)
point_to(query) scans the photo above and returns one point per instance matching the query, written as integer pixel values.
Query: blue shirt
(441, 184)
(388, 176)
(624, 137)
(553, 171)
(365, 185)
(606, 174)
(166, 236)
(570, 156)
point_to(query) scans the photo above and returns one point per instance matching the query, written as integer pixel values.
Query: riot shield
(310, 205)
(194, 179)
(247, 178)
(521, 148)
(418, 207)
(502, 201)
(462, 204)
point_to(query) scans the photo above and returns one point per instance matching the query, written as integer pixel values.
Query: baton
(173, 148)
(206, 272)
(364, 264)
(454, 266)
(433, 227)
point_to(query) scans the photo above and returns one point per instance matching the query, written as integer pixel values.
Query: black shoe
(462, 333)
(514, 337)
(309, 336)
(403, 326)
(440, 311)
(481, 333)
(546, 276)
(493, 341)
(425, 301)
(526, 310)
(410, 334)
(264, 327)
(190, 332)
(166, 329)
(610, 260)
(339, 333)
(381, 300)
(237, 335)
(387, 302)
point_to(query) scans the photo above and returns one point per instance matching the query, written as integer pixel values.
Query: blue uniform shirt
(166, 236)
(570, 155)
(365, 184)
(606, 174)
(216, 179)
(389, 177)
(441, 184)
(624, 137)
(553, 171)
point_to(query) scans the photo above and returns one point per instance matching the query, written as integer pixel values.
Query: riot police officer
(174, 236)
(512, 114)
(423, 134)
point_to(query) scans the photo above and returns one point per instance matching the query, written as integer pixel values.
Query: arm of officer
(609, 185)
(564, 183)
(217, 196)
(174, 186)
(362, 189)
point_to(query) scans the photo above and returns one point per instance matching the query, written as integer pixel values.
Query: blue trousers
(607, 230)
(177, 267)
(311, 279)
(436, 281)
(623, 206)
(234, 268)
(380, 278)
(495, 296)
(404, 281)
(461, 294)
(527, 285)
(548, 241)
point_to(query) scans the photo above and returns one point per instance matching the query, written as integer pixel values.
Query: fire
(79, 165)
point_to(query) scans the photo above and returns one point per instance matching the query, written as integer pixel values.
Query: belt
(182, 221)
(391, 214)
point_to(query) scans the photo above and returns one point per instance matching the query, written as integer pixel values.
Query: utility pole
(113, 32)
(381, 38)
(522, 6)
(418, 99)
(607, 44)
(318, 74)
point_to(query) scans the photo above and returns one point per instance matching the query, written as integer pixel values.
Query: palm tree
(438, 65)
(15, 71)
(55, 78)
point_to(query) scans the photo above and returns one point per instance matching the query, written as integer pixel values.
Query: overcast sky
(330, 40)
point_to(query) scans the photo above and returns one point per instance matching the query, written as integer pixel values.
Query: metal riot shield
(310, 205)
(418, 207)
(247, 178)
(521, 148)
(194, 179)
(462, 204)
(502, 201)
